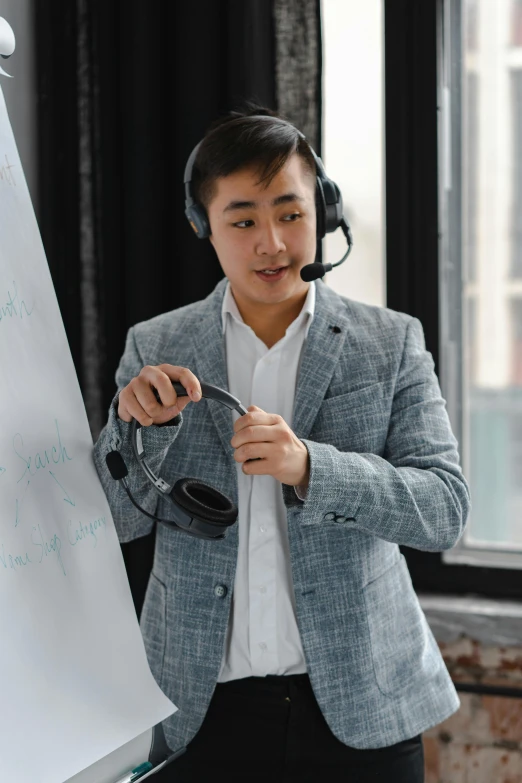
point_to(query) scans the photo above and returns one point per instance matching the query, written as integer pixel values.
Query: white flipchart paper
(74, 680)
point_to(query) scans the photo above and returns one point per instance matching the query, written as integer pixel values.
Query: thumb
(182, 402)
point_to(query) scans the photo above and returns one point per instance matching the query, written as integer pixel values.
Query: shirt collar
(307, 312)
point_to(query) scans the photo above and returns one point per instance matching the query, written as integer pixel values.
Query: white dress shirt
(262, 636)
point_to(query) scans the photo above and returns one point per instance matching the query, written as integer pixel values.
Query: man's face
(254, 228)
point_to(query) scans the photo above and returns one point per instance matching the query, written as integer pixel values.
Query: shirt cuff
(300, 492)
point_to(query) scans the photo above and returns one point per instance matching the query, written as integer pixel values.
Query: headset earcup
(334, 206)
(198, 219)
(204, 502)
(320, 209)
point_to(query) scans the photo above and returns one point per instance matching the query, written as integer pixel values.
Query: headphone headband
(198, 509)
(210, 393)
(329, 201)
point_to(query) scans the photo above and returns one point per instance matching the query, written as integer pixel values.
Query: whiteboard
(74, 679)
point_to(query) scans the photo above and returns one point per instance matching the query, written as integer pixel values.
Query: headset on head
(329, 201)
(198, 509)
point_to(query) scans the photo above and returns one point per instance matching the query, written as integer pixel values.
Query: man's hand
(275, 450)
(138, 399)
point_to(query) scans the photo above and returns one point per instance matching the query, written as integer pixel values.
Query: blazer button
(220, 591)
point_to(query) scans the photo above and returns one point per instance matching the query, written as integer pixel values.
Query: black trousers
(271, 729)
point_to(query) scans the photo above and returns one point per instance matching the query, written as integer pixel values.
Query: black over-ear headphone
(329, 206)
(198, 509)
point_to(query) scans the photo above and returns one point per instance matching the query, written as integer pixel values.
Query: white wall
(353, 142)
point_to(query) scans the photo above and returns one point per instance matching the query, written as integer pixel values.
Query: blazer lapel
(319, 358)
(210, 363)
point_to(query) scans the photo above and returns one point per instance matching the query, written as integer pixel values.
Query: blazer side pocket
(153, 625)
(399, 633)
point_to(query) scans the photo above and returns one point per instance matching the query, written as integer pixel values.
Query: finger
(257, 416)
(144, 392)
(163, 391)
(248, 418)
(167, 414)
(258, 466)
(187, 379)
(160, 381)
(253, 451)
(135, 410)
(254, 433)
(152, 380)
(153, 390)
(123, 413)
(129, 408)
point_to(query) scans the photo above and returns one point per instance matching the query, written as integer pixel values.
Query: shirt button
(262, 529)
(220, 591)
(262, 589)
(262, 646)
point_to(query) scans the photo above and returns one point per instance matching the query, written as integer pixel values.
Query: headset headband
(209, 392)
(328, 205)
(189, 166)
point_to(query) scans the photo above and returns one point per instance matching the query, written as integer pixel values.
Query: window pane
(492, 268)
(353, 146)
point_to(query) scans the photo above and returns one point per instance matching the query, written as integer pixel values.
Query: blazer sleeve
(130, 523)
(415, 494)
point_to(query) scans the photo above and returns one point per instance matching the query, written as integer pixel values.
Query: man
(295, 648)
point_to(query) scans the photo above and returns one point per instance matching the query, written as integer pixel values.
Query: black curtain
(412, 165)
(125, 91)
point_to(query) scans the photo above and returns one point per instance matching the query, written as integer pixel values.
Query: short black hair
(240, 140)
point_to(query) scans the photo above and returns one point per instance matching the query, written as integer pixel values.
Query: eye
(241, 223)
(287, 219)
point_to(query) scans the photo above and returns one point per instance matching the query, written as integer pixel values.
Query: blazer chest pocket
(398, 630)
(153, 625)
(355, 421)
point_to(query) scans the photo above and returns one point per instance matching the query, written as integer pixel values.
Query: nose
(270, 241)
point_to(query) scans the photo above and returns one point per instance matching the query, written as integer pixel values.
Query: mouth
(272, 274)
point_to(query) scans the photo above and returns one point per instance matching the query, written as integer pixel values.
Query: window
(488, 353)
(353, 147)
(516, 208)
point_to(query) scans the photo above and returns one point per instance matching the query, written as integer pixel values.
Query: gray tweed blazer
(384, 471)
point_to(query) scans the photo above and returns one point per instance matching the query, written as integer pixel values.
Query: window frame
(423, 242)
(452, 325)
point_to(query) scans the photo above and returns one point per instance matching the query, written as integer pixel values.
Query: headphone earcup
(333, 205)
(198, 219)
(320, 209)
(204, 502)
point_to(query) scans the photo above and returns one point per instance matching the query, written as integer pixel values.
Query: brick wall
(482, 742)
